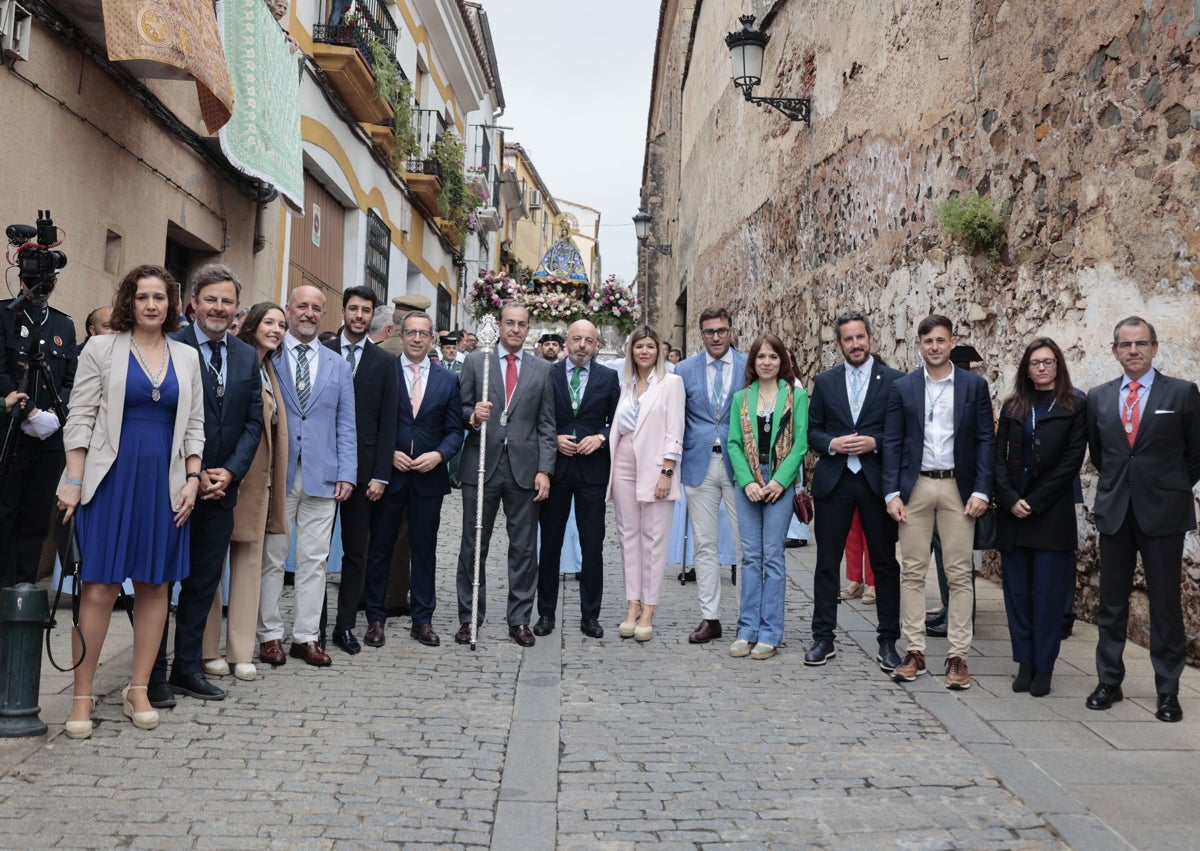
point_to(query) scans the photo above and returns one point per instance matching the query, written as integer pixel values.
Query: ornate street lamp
(641, 227)
(746, 48)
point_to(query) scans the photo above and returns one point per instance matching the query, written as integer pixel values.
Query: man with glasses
(428, 430)
(1144, 438)
(710, 379)
(518, 406)
(375, 389)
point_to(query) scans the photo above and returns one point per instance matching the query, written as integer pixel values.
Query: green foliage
(387, 75)
(975, 222)
(405, 133)
(456, 201)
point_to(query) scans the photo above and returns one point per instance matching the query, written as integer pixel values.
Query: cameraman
(38, 461)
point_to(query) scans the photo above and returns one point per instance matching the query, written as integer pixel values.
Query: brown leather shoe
(311, 652)
(463, 636)
(705, 632)
(911, 668)
(425, 634)
(957, 677)
(522, 635)
(272, 653)
(374, 636)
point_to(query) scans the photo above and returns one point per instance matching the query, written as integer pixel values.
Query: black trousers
(1162, 561)
(589, 520)
(424, 515)
(25, 507)
(356, 514)
(834, 514)
(211, 529)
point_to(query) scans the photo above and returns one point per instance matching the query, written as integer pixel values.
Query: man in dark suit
(938, 443)
(1144, 438)
(375, 389)
(585, 403)
(318, 395)
(232, 429)
(845, 428)
(428, 430)
(29, 490)
(518, 406)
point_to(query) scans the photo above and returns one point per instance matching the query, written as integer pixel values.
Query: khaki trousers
(936, 501)
(245, 582)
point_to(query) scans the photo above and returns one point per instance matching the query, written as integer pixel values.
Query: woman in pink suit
(647, 442)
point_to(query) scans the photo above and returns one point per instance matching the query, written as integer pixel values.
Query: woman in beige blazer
(259, 509)
(647, 443)
(133, 438)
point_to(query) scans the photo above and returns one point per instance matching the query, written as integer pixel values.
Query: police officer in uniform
(28, 495)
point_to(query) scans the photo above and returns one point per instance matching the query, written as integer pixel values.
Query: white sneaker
(245, 671)
(216, 668)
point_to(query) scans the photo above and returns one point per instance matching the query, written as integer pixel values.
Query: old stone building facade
(1080, 121)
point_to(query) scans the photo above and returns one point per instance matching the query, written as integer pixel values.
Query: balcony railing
(368, 17)
(430, 127)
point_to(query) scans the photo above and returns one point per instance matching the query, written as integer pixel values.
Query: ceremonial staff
(486, 335)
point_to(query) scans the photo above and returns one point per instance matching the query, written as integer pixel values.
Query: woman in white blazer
(134, 438)
(647, 443)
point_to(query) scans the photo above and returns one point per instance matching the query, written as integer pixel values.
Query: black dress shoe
(793, 543)
(195, 685)
(345, 639)
(820, 653)
(936, 630)
(687, 575)
(522, 635)
(591, 628)
(463, 636)
(938, 616)
(887, 657)
(160, 696)
(1104, 696)
(425, 634)
(1169, 708)
(544, 625)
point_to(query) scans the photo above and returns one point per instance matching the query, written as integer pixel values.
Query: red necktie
(1131, 414)
(510, 378)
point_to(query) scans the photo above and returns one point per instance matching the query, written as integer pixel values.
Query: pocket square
(1163, 411)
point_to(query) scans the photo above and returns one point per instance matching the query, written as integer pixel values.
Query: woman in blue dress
(134, 438)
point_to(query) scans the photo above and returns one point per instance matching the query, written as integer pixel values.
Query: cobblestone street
(574, 743)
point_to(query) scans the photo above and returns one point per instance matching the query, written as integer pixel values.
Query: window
(379, 247)
(443, 309)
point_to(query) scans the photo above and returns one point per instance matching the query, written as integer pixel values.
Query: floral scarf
(783, 439)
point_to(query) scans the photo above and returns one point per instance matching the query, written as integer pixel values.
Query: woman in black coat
(1040, 442)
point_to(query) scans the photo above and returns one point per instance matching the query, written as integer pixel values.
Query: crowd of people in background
(243, 436)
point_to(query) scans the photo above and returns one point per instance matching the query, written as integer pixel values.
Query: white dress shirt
(289, 348)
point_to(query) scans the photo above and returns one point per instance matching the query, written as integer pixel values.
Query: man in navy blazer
(845, 429)
(428, 431)
(1144, 436)
(318, 395)
(375, 389)
(710, 379)
(232, 429)
(585, 396)
(938, 442)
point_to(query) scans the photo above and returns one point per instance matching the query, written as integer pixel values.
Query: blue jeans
(763, 528)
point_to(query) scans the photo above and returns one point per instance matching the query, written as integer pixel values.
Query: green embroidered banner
(262, 138)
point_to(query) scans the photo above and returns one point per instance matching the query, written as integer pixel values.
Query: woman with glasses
(1040, 442)
(768, 436)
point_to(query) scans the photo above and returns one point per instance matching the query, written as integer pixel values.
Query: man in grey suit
(1144, 437)
(318, 394)
(518, 406)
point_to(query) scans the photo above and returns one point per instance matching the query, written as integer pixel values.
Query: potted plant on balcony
(457, 201)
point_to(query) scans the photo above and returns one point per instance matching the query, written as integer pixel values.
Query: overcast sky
(576, 78)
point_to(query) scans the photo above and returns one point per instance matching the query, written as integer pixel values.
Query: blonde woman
(647, 443)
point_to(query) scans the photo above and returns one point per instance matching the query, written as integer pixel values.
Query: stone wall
(1082, 122)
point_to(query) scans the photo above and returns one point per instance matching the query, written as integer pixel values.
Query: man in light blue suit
(710, 380)
(318, 395)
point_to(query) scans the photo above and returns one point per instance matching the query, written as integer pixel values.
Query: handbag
(802, 503)
(985, 529)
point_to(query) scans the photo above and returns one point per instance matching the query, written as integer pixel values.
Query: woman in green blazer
(768, 436)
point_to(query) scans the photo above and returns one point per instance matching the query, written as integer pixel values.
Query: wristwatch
(193, 475)
(665, 472)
